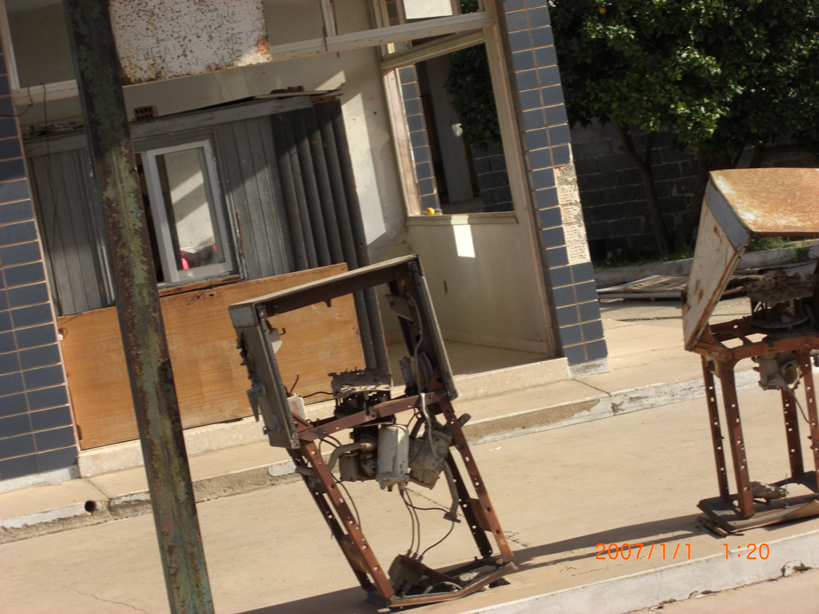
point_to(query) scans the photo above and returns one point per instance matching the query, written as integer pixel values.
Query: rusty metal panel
(739, 205)
(773, 201)
(715, 259)
(158, 40)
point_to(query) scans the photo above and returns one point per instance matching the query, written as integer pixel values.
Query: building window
(186, 211)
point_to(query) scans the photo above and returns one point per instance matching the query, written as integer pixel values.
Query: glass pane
(186, 190)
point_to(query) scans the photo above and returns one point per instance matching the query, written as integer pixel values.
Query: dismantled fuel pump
(780, 334)
(380, 448)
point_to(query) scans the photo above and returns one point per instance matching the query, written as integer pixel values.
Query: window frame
(172, 273)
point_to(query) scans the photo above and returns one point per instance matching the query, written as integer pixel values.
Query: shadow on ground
(353, 600)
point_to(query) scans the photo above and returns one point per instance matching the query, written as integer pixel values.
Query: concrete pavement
(797, 593)
(561, 493)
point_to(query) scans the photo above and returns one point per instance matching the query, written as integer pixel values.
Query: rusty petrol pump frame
(409, 581)
(739, 206)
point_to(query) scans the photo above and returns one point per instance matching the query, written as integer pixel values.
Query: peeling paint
(161, 40)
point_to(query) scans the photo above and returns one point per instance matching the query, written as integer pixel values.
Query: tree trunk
(644, 166)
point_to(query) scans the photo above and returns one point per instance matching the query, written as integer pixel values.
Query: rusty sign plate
(159, 40)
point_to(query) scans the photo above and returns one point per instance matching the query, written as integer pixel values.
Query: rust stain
(773, 200)
(163, 40)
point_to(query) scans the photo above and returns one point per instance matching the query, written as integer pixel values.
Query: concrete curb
(593, 407)
(677, 582)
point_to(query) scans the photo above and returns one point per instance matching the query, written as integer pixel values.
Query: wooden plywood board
(210, 381)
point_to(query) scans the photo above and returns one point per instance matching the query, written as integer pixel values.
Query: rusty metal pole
(140, 320)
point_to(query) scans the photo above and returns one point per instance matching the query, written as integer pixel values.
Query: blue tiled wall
(545, 142)
(36, 432)
(419, 140)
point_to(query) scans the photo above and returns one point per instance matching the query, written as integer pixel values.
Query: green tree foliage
(722, 74)
(470, 89)
(469, 85)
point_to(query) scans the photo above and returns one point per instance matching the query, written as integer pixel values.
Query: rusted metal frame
(427, 571)
(768, 346)
(716, 432)
(728, 330)
(473, 587)
(720, 352)
(333, 287)
(743, 481)
(138, 307)
(775, 345)
(806, 371)
(300, 460)
(792, 433)
(348, 520)
(478, 534)
(487, 509)
(376, 412)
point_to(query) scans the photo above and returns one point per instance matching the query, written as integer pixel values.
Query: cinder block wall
(613, 195)
(36, 432)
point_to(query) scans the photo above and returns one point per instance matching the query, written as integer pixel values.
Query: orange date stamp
(627, 551)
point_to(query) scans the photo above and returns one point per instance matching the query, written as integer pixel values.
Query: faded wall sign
(157, 39)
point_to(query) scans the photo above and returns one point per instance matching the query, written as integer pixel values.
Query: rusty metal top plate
(776, 201)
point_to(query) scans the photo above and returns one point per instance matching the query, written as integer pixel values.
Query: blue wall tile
(55, 438)
(40, 356)
(51, 418)
(31, 315)
(17, 233)
(36, 335)
(24, 274)
(567, 315)
(575, 354)
(7, 343)
(43, 377)
(16, 212)
(28, 295)
(11, 383)
(571, 335)
(46, 397)
(58, 459)
(12, 426)
(17, 446)
(20, 253)
(18, 467)
(13, 190)
(9, 362)
(13, 404)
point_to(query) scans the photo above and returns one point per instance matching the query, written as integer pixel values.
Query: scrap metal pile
(780, 334)
(380, 449)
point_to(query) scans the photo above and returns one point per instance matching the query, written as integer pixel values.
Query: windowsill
(182, 287)
(464, 219)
